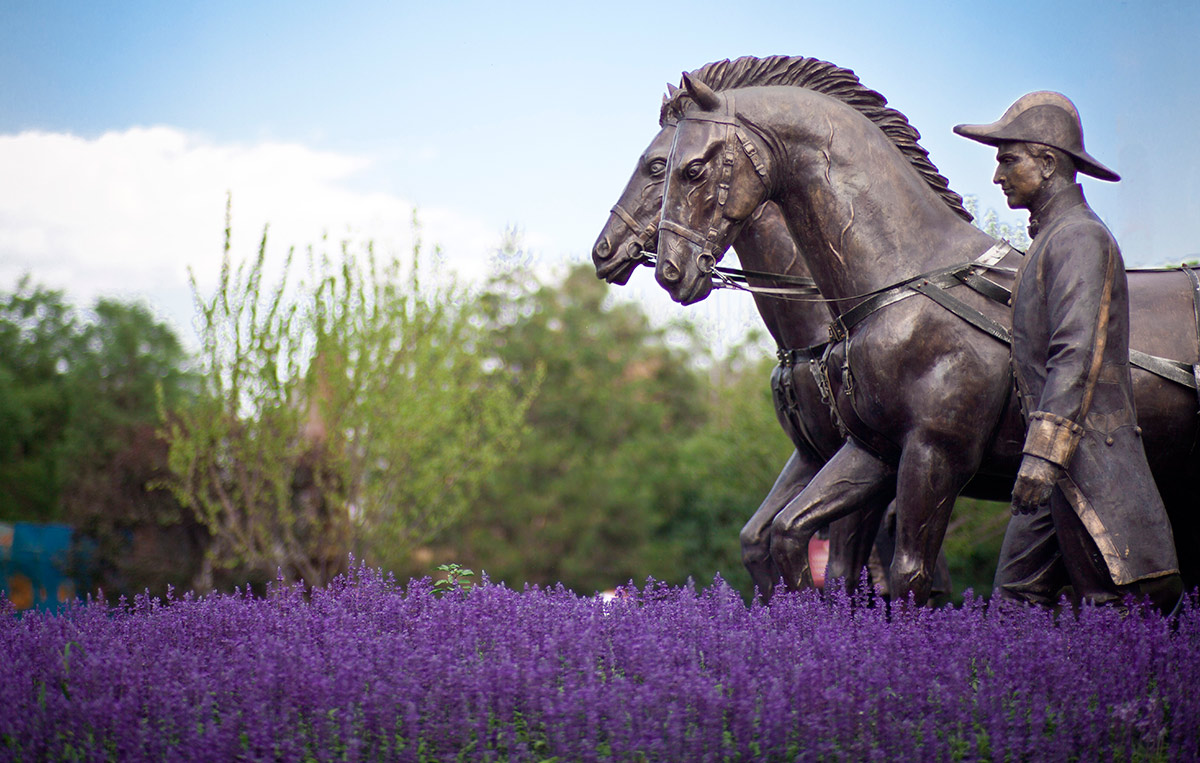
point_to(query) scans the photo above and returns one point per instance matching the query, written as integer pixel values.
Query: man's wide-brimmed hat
(1043, 117)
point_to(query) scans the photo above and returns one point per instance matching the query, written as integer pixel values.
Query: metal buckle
(837, 332)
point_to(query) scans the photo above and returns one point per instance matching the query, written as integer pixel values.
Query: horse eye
(656, 167)
(694, 171)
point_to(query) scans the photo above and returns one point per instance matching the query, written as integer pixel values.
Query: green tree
(39, 341)
(352, 412)
(728, 466)
(588, 497)
(77, 439)
(117, 461)
(991, 224)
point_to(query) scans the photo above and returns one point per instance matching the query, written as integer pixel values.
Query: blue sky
(123, 125)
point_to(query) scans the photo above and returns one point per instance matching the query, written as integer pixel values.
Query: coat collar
(1053, 208)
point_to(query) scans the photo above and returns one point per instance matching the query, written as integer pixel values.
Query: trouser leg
(1031, 568)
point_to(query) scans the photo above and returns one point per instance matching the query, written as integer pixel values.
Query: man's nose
(996, 176)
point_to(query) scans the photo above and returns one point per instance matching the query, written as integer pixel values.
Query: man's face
(1018, 174)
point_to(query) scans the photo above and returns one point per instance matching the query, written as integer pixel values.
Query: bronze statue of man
(1086, 509)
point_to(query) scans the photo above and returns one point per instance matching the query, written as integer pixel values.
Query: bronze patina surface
(1088, 510)
(799, 326)
(924, 395)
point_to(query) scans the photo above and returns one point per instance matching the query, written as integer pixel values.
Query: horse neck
(863, 216)
(765, 244)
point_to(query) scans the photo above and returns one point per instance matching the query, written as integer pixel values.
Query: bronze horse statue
(798, 324)
(925, 393)
(631, 230)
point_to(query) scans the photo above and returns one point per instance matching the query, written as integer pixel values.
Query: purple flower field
(369, 669)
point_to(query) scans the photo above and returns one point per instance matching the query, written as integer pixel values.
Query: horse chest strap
(964, 311)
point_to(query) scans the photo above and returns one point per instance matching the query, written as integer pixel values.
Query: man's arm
(1077, 272)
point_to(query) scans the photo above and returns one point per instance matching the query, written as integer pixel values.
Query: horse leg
(853, 480)
(756, 535)
(851, 539)
(930, 477)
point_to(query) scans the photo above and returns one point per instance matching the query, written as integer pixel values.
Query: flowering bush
(369, 669)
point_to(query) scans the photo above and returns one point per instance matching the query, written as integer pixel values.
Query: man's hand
(1035, 484)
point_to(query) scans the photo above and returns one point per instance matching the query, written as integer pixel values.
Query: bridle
(735, 136)
(643, 235)
(641, 239)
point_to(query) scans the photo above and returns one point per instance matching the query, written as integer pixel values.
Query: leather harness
(934, 285)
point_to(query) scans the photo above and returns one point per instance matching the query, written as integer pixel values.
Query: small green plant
(455, 579)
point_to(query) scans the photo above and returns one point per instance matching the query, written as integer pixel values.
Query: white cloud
(126, 214)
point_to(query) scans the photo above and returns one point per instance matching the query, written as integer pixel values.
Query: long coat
(1070, 317)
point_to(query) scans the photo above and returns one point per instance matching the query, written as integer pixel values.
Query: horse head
(706, 200)
(632, 226)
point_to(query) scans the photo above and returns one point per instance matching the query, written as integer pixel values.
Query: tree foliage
(991, 224)
(351, 412)
(39, 340)
(641, 459)
(77, 421)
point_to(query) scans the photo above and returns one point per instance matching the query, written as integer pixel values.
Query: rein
(738, 280)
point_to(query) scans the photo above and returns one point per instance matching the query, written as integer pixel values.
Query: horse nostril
(602, 249)
(670, 272)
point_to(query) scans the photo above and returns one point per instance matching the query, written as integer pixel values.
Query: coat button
(1137, 431)
(1108, 440)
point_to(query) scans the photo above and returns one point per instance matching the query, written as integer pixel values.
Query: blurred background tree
(352, 412)
(77, 432)
(39, 340)
(581, 501)
(645, 453)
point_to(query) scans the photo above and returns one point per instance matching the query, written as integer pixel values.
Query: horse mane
(828, 79)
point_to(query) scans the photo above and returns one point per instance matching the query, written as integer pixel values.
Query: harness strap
(986, 287)
(1171, 370)
(840, 327)
(997, 252)
(673, 227)
(752, 154)
(782, 292)
(626, 218)
(789, 357)
(964, 311)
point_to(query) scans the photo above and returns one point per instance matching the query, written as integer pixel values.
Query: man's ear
(1048, 163)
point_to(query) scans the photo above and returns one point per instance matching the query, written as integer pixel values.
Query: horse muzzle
(685, 283)
(615, 264)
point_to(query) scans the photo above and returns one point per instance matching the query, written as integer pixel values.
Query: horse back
(1162, 315)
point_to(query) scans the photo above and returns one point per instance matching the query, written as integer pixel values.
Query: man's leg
(1031, 566)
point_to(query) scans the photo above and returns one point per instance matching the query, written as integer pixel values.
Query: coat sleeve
(1078, 268)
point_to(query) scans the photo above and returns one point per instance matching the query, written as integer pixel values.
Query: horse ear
(671, 91)
(702, 93)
